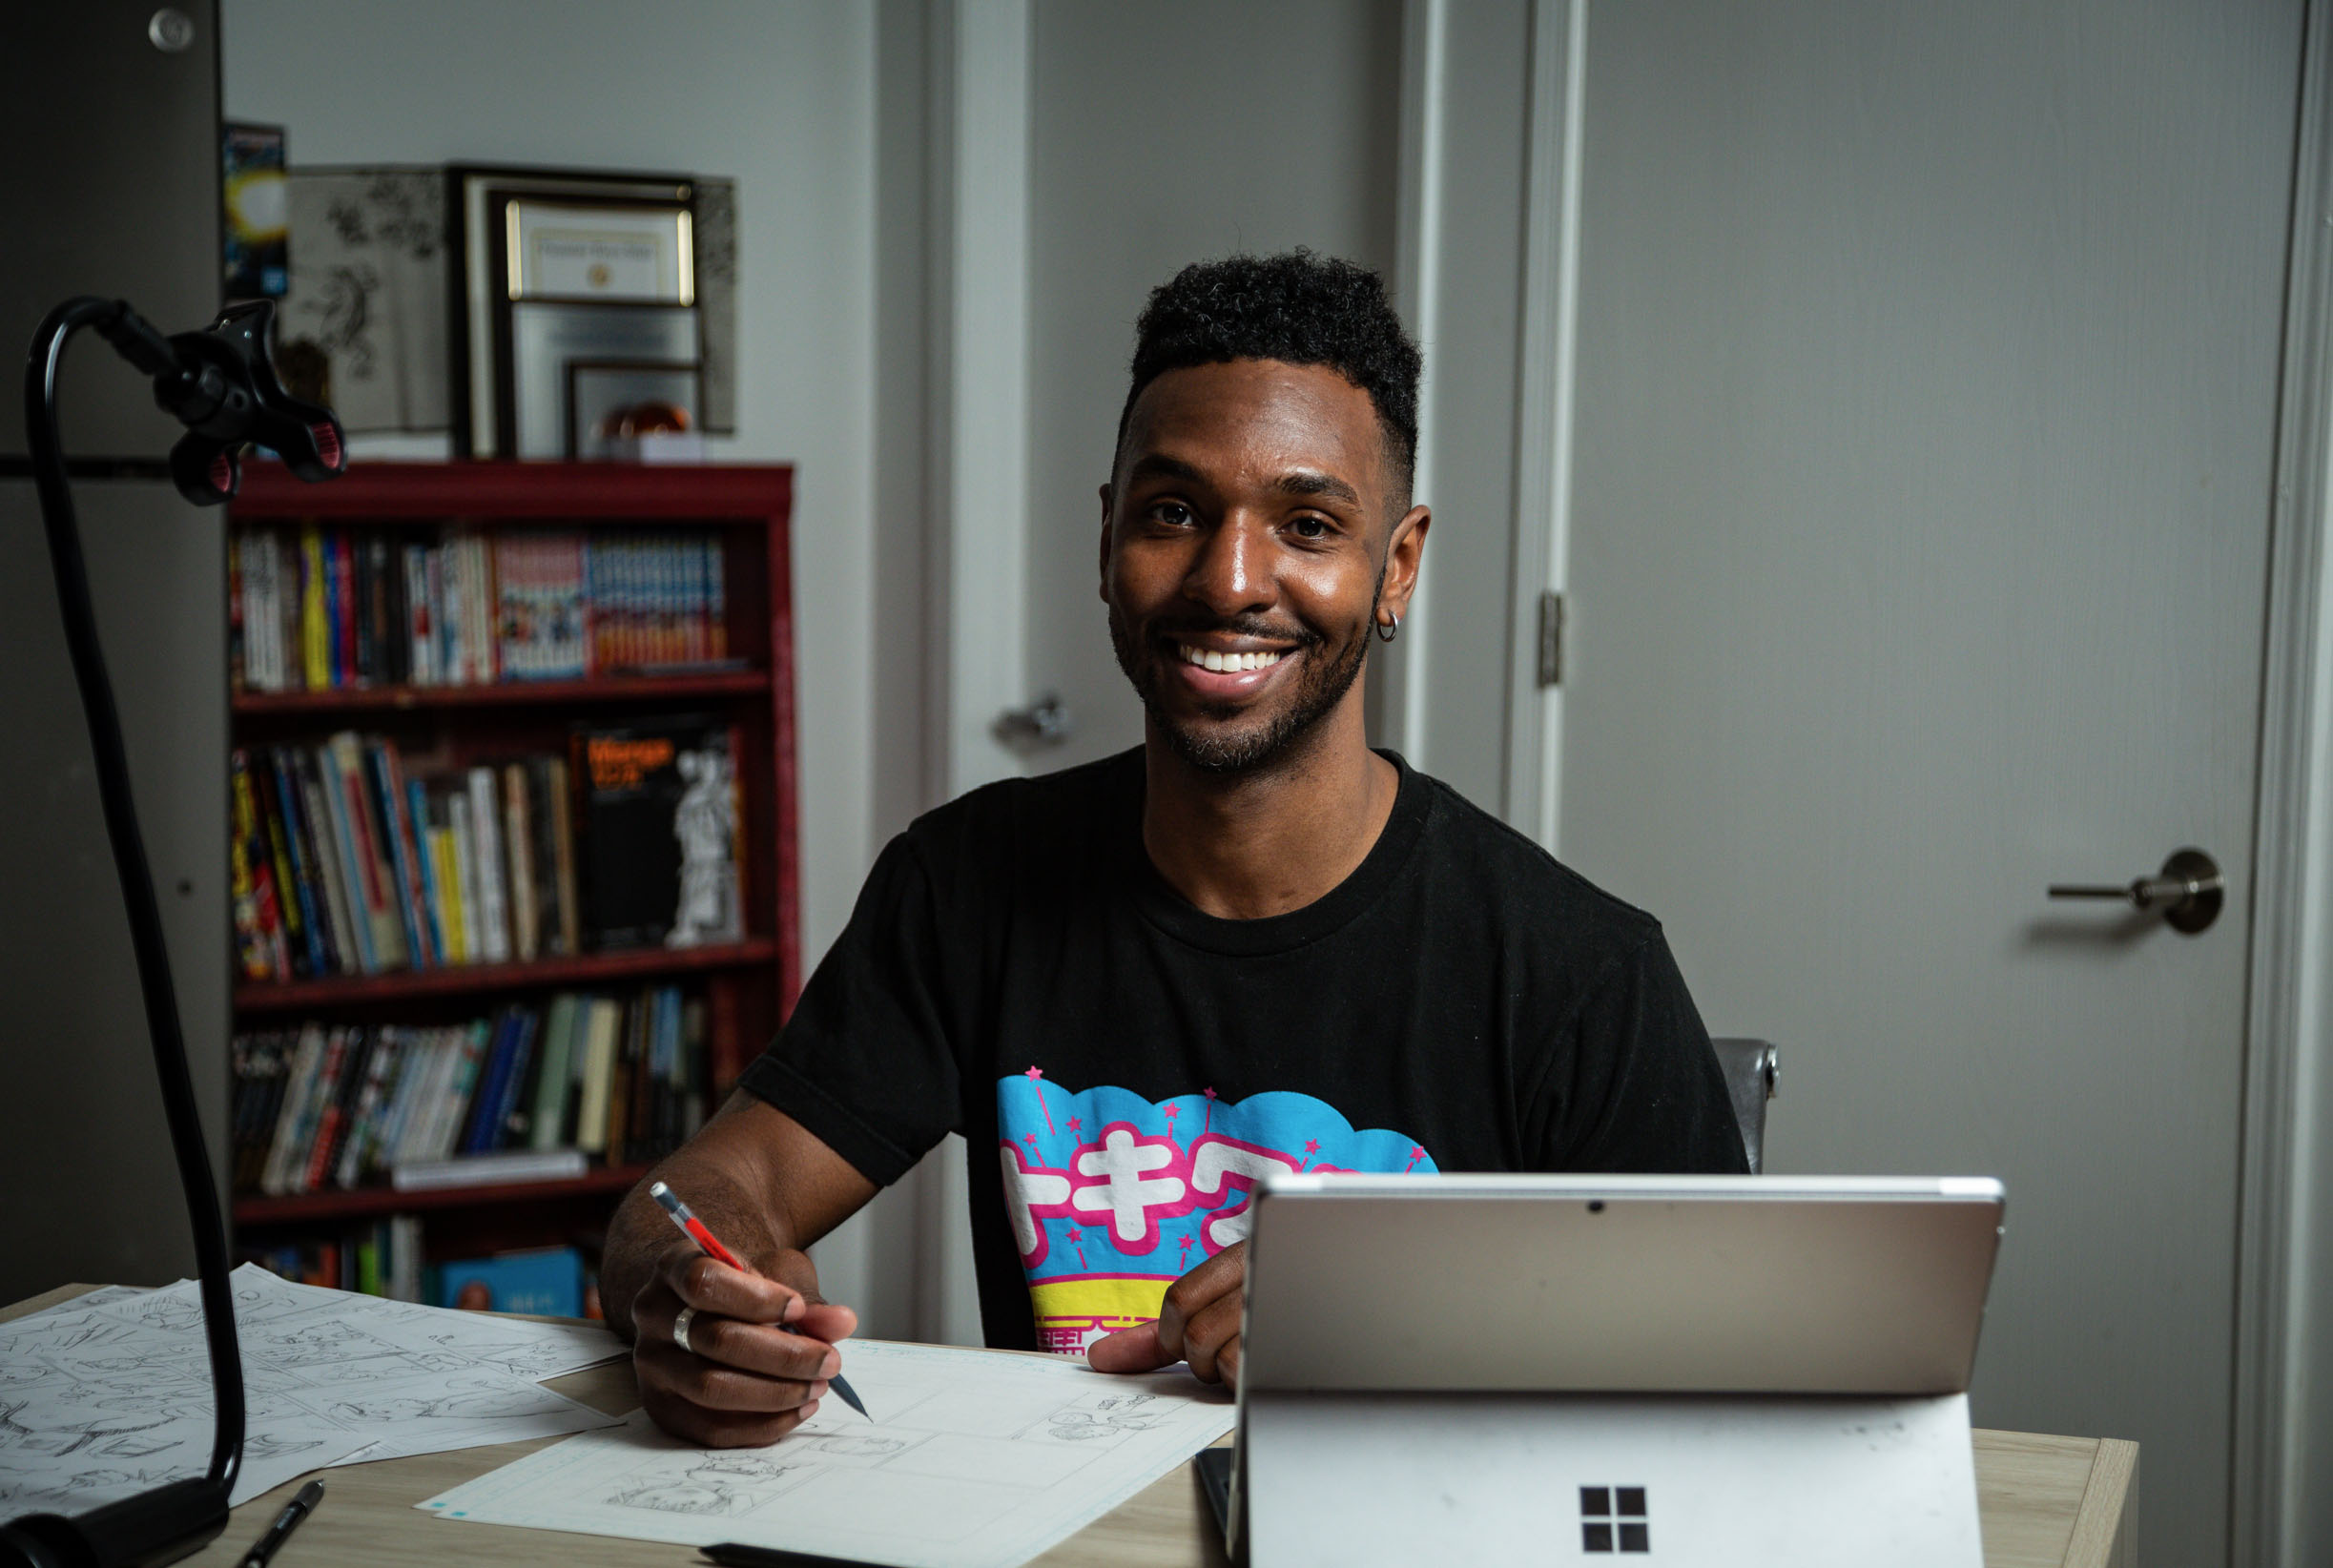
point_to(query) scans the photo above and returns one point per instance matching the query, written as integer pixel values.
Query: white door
(1925, 390)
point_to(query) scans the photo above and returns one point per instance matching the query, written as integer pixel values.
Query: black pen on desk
(287, 1521)
(710, 1246)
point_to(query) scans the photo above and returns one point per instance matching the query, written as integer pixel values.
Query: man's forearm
(748, 1224)
(760, 1182)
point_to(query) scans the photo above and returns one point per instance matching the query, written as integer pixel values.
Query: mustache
(1241, 626)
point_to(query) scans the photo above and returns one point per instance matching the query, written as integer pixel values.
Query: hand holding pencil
(710, 1246)
(726, 1356)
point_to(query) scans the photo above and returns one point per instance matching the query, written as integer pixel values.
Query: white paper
(515, 1345)
(100, 1402)
(99, 1297)
(972, 1461)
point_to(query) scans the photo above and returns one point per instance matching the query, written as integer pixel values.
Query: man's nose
(1230, 574)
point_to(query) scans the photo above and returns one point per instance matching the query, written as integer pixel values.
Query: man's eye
(1310, 527)
(1173, 513)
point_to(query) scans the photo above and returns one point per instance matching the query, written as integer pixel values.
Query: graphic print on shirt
(1113, 1198)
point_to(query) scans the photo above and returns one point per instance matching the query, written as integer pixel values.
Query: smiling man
(1250, 945)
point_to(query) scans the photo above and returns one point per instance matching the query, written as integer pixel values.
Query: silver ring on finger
(680, 1328)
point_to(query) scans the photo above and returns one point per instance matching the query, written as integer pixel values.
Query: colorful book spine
(291, 892)
(388, 803)
(547, 1123)
(518, 847)
(367, 856)
(426, 860)
(493, 874)
(339, 604)
(477, 1132)
(251, 944)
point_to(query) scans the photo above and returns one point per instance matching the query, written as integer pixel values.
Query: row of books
(380, 1259)
(387, 1258)
(314, 609)
(341, 863)
(344, 862)
(325, 1106)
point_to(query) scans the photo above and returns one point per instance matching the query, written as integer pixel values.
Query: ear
(1402, 555)
(1106, 544)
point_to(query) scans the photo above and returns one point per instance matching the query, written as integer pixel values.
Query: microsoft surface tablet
(1619, 1283)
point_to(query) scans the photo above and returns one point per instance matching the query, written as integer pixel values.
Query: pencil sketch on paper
(981, 1461)
(169, 1313)
(88, 1486)
(520, 1358)
(65, 1431)
(852, 1445)
(1097, 1417)
(334, 1353)
(465, 1398)
(711, 1485)
(330, 1375)
(268, 1445)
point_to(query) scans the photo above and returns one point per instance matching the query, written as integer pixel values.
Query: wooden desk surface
(2046, 1502)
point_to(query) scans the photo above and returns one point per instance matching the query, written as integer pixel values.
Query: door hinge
(1551, 638)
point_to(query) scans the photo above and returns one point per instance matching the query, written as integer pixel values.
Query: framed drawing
(367, 294)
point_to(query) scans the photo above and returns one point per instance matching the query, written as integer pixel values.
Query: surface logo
(1612, 1518)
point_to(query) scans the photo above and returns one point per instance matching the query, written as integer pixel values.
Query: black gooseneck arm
(219, 384)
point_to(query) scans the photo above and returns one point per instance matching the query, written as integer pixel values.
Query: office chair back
(1750, 1078)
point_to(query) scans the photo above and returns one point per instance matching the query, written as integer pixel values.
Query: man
(1253, 944)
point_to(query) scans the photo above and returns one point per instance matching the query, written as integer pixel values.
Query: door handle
(1044, 722)
(2189, 891)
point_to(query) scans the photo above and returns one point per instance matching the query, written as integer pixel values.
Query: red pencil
(687, 1219)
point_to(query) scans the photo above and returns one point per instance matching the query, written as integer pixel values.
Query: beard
(1220, 749)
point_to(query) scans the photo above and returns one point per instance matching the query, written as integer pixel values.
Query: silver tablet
(1619, 1283)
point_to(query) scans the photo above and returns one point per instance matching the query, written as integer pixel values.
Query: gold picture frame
(563, 249)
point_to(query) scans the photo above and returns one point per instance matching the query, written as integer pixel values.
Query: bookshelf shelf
(727, 683)
(586, 970)
(373, 1202)
(697, 566)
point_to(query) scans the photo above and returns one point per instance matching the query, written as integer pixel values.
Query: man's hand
(1198, 1323)
(743, 1382)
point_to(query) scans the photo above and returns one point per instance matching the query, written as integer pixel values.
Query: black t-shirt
(1125, 1068)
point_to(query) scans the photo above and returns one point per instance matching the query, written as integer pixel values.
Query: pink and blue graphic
(1113, 1197)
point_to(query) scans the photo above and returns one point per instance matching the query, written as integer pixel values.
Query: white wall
(779, 95)
(1162, 136)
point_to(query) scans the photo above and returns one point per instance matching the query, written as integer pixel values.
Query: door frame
(978, 67)
(1544, 411)
(2280, 1280)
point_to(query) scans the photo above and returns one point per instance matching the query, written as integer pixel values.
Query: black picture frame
(582, 409)
(479, 359)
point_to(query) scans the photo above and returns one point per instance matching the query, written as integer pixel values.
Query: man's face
(1243, 545)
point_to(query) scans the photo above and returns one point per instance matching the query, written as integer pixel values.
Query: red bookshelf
(581, 972)
(357, 703)
(365, 1203)
(747, 985)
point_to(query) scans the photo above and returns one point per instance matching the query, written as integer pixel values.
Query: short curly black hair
(1296, 307)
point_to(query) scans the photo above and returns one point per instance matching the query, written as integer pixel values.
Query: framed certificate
(630, 252)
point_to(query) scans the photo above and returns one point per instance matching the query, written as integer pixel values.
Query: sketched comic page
(973, 1460)
(518, 1345)
(707, 1485)
(91, 1397)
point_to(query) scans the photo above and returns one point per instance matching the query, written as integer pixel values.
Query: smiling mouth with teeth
(1211, 659)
